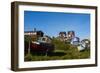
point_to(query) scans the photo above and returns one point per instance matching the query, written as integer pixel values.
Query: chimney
(34, 30)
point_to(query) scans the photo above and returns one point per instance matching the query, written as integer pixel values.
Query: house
(35, 34)
(66, 36)
(70, 34)
(62, 34)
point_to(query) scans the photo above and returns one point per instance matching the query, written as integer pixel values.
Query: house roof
(62, 32)
(32, 31)
(28, 31)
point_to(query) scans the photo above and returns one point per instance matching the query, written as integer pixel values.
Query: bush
(28, 57)
(60, 45)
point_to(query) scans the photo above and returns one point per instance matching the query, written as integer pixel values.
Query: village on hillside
(67, 45)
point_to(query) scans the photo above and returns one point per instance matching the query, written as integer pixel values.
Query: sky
(51, 23)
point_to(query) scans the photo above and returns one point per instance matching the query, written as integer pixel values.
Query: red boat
(36, 46)
(39, 47)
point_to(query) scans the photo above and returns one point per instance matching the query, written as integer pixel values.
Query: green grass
(58, 55)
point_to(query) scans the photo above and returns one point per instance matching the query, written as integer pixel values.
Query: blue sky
(51, 23)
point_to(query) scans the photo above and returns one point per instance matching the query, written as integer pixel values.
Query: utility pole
(29, 44)
(29, 41)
